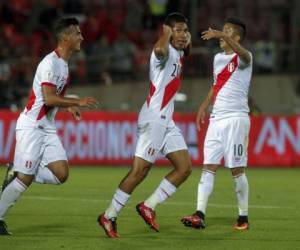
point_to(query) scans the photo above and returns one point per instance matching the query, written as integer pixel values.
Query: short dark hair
(63, 24)
(175, 17)
(240, 26)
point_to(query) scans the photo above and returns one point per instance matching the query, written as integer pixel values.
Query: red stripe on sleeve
(49, 84)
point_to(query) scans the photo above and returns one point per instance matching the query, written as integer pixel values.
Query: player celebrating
(157, 131)
(227, 134)
(39, 154)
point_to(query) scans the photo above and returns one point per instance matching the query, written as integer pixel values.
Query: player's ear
(66, 37)
(62, 37)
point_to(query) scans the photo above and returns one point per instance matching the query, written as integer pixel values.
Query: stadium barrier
(108, 138)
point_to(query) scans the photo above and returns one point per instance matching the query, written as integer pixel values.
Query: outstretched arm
(161, 48)
(236, 47)
(52, 99)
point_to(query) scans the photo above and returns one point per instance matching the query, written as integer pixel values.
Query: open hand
(189, 39)
(88, 102)
(211, 33)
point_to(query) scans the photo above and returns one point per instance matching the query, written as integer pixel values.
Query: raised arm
(235, 46)
(161, 48)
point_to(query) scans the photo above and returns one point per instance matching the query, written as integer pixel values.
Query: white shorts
(155, 138)
(35, 148)
(227, 138)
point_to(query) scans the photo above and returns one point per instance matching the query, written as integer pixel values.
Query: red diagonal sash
(224, 75)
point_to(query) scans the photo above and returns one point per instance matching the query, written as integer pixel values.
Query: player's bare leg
(242, 193)
(56, 173)
(205, 188)
(182, 169)
(137, 173)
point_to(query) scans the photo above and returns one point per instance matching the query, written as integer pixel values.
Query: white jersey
(231, 86)
(52, 71)
(165, 79)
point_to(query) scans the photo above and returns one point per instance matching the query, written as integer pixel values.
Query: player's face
(179, 36)
(75, 38)
(229, 31)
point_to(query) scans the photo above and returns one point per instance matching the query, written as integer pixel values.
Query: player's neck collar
(57, 53)
(229, 52)
(61, 54)
(175, 48)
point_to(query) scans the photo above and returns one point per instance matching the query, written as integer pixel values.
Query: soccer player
(157, 131)
(227, 134)
(39, 154)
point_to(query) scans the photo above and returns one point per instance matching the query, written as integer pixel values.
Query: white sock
(118, 202)
(242, 193)
(45, 176)
(164, 191)
(10, 195)
(205, 188)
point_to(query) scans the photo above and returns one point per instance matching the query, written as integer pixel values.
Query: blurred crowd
(119, 35)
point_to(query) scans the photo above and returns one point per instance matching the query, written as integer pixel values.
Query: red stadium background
(108, 138)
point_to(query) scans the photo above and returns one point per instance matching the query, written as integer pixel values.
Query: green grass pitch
(64, 217)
